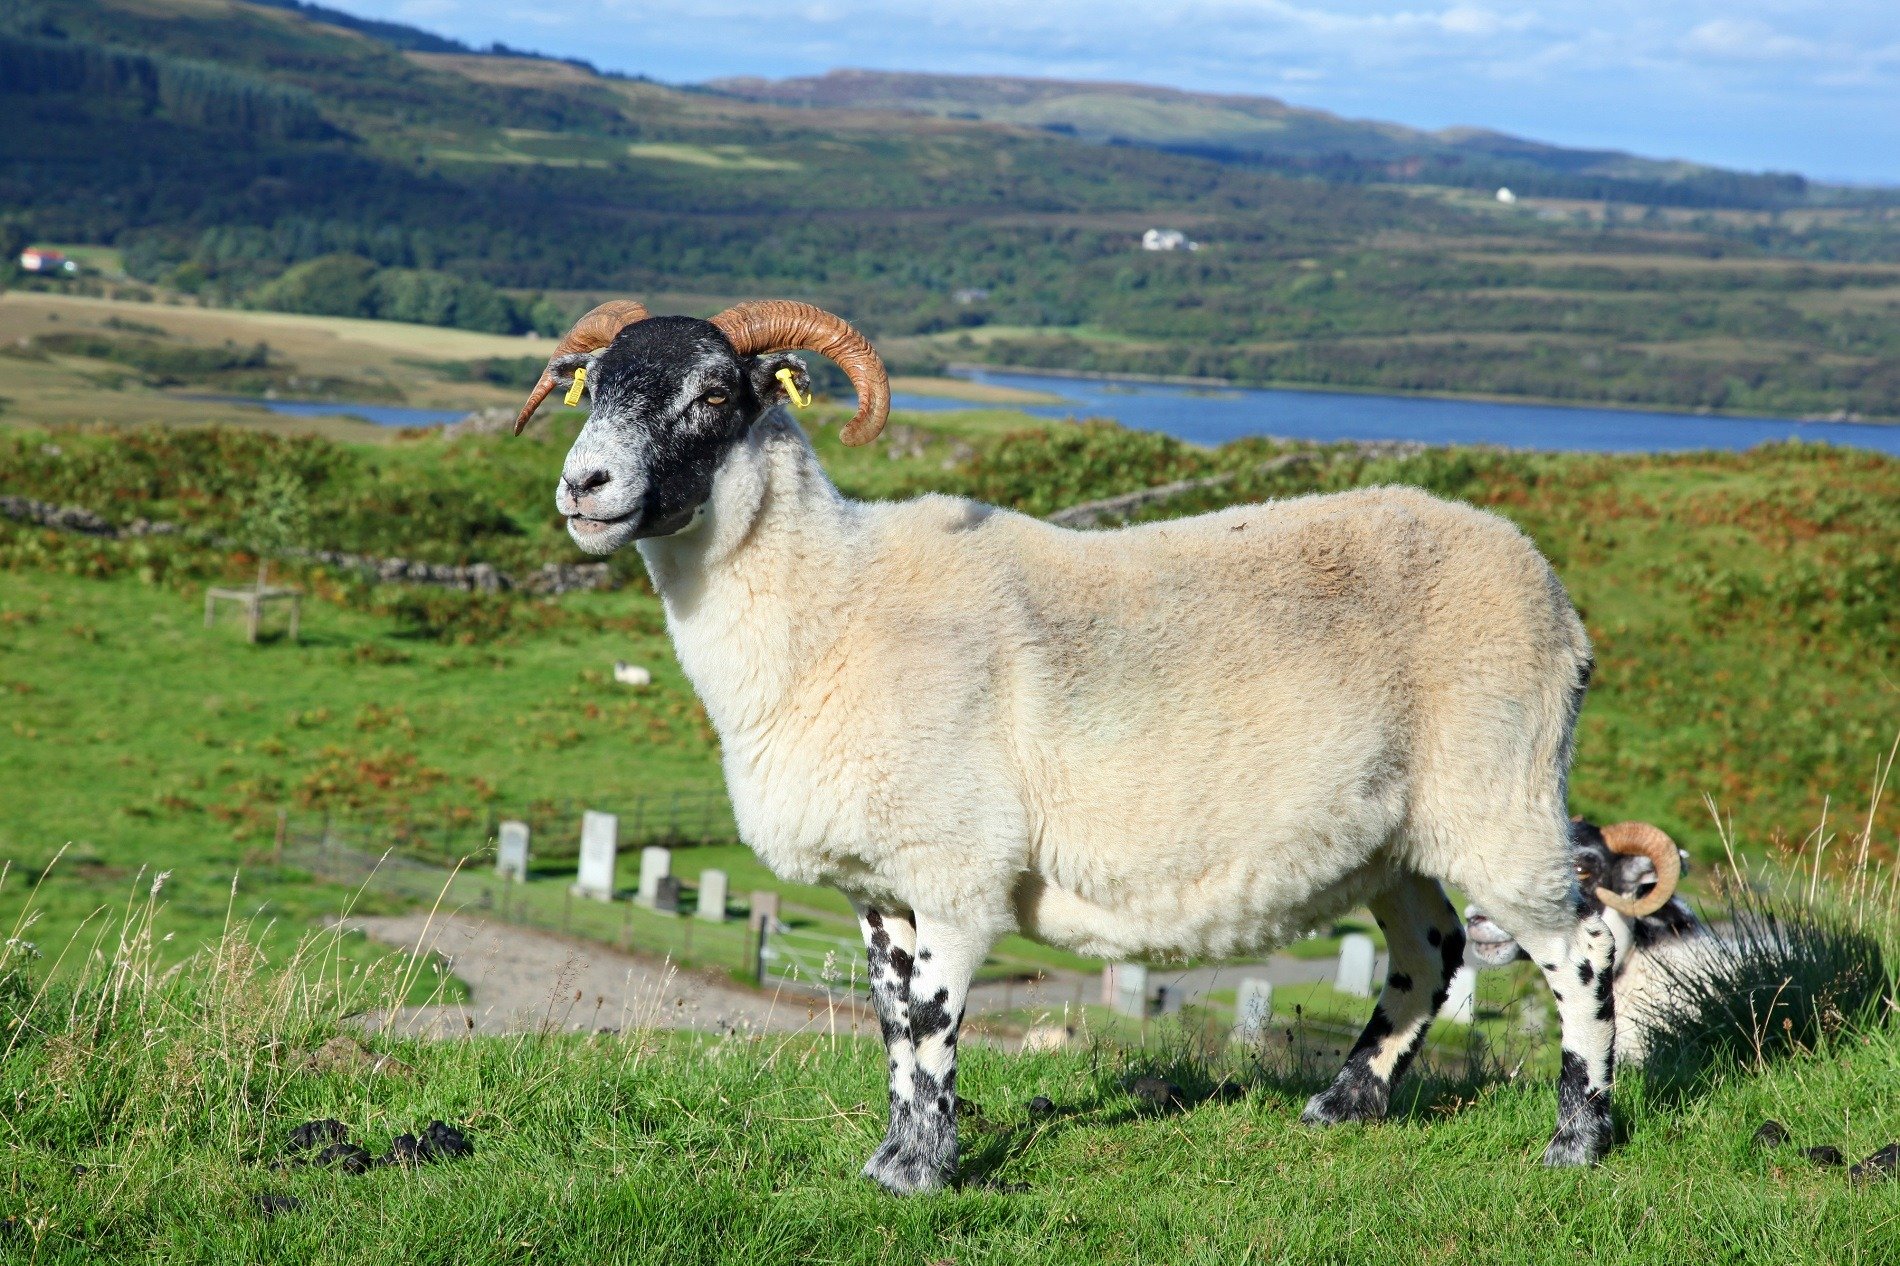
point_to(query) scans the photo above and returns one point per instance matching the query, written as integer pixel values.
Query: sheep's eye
(715, 399)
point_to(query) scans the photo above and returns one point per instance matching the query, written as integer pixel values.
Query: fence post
(757, 948)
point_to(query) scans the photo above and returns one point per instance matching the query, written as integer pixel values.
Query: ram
(1627, 872)
(1196, 738)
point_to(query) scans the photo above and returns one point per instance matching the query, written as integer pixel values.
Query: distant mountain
(1268, 132)
(290, 156)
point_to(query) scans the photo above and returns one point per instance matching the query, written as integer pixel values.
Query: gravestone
(1253, 1010)
(656, 863)
(511, 853)
(764, 910)
(712, 896)
(1461, 1003)
(600, 846)
(1131, 989)
(1356, 956)
(666, 894)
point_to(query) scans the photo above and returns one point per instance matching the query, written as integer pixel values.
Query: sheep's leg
(1425, 944)
(890, 942)
(919, 1152)
(1578, 963)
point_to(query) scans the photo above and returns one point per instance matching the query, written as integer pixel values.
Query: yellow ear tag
(573, 396)
(789, 378)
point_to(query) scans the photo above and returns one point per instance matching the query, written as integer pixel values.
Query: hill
(1742, 610)
(1269, 132)
(272, 155)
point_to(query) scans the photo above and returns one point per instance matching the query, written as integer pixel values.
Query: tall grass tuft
(1804, 956)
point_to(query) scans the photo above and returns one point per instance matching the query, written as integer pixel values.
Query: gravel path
(520, 980)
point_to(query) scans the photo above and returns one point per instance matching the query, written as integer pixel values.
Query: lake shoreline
(1229, 384)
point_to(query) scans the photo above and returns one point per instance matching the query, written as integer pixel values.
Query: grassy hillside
(1239, 128)
(1742, 606)
(255, 155)
(154, 1115)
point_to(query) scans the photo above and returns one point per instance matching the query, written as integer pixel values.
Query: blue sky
(1756, 84)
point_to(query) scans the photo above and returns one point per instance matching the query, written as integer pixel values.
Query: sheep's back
(1172, 698)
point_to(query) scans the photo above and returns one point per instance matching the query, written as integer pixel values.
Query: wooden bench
(252, 600)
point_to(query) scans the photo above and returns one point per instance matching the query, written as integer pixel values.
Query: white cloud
(1468, 19)
(1747, 38)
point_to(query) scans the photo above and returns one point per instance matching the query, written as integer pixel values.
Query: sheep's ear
(563, 367)
(763, 371)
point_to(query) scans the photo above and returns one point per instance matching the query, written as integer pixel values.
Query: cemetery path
(520, 979)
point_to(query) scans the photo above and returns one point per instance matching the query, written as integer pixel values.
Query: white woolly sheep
(1195, 738)
(631, 674)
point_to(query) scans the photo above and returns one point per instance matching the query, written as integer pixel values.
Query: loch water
(1214, 415)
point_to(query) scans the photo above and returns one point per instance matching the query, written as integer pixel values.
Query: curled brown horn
(776, 325)
(591, 333)
(1640, 839)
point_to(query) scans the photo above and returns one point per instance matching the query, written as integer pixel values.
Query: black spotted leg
(1579, 963)
(890, 940)
(1425, 944)
(920, 978)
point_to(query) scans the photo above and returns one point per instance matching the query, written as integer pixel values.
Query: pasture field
(79, 359)
(150, 1119)
(1743, 608)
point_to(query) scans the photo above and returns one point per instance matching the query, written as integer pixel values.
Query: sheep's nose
(587, 482)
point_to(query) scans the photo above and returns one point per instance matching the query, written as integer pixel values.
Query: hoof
(919, 1154)
(1578, 1144)
(908, 1173)
(1344, 1101)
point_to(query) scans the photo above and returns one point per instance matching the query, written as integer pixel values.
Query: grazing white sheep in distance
(631, 674)
(1195, 738)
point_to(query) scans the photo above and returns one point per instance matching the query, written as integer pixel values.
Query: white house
(41, 260)
(1167, 240)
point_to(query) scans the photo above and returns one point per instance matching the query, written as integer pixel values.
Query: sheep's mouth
(1490, 944)
(602, 536)
(587, 523)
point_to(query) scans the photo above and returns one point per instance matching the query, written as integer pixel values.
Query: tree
(276, 519)
(13, 240)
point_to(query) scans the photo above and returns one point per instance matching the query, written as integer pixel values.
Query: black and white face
(670, 399)
(1597, 866)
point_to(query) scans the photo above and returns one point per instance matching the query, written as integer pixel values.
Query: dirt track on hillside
(521, 980)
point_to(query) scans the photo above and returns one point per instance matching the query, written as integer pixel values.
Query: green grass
(145, 1109)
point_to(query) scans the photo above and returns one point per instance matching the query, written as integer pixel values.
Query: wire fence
(671, 819)
(762, 950)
